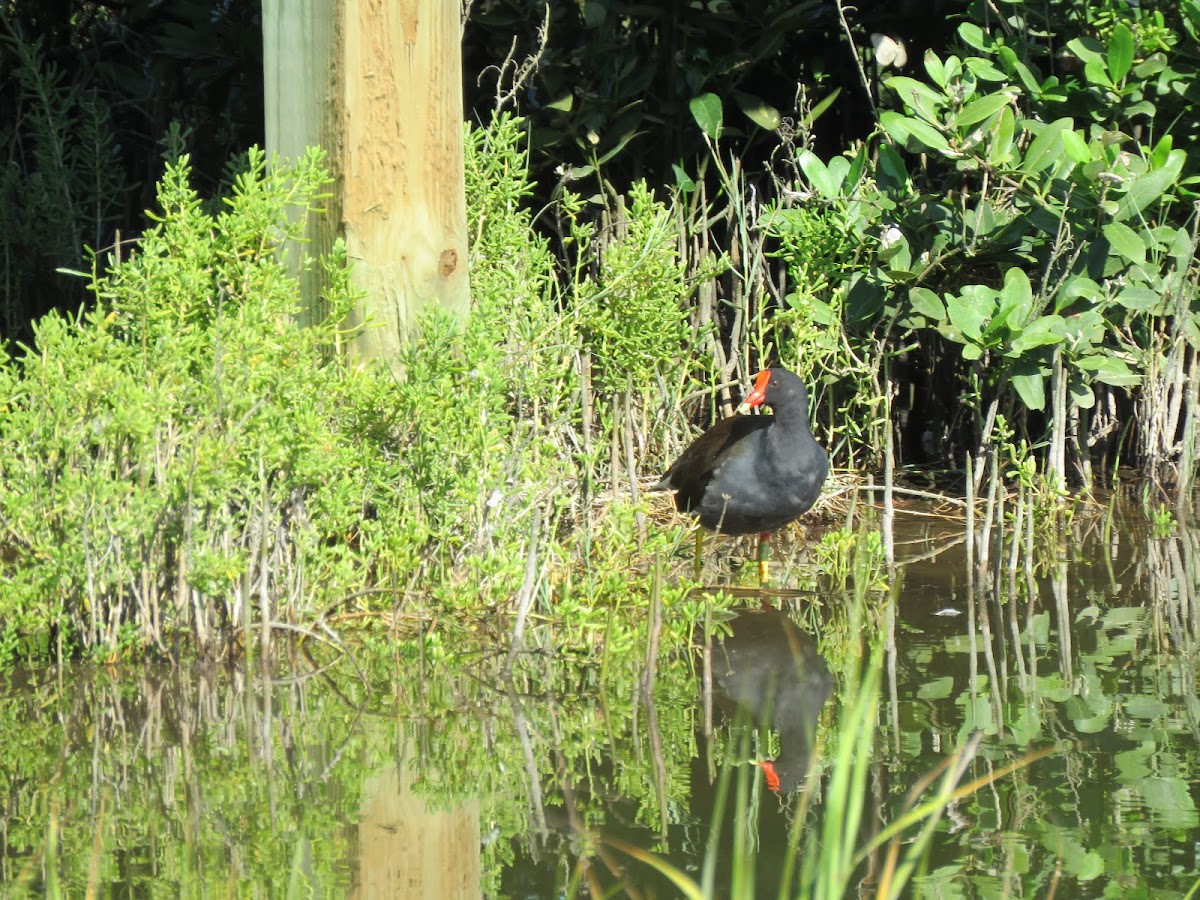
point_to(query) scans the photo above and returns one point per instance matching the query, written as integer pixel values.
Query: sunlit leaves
(1047, 147)
(981, 109)
(915, 135)
(968, 316)
(757, 110)
(1147, 187)
(1120, 52)
(1067, 181)
(828, 179)
(1075, 146)
(1028, 381)
(926, 303)
(1126, 241)
(706, 111)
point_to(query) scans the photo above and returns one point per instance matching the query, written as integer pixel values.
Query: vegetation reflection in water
(445, 770)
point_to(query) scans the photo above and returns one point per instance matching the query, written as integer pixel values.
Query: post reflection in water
(407, 848)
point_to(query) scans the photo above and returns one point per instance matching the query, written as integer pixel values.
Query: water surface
(440, 775)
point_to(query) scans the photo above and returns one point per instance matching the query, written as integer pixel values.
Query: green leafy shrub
(185, 462)
(1038, 260)
(632, 315)
(180, 457)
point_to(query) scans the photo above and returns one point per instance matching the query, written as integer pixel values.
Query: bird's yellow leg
(696, 563)
(764, 556)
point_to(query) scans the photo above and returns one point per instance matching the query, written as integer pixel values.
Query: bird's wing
(694, 468)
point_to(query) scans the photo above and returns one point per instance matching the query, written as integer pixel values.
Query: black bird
(751, 474)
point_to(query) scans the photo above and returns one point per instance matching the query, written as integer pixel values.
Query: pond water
(436, 775)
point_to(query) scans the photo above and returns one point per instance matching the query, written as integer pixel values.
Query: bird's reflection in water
(768, 670)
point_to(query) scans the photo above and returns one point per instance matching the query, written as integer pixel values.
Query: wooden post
(378, 84)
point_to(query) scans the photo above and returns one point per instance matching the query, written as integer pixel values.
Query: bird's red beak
(768, 768)
(759, 394)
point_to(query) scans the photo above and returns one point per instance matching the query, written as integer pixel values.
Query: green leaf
(1013, 65)
(891, 172)
(1047, 148)
(985, 69)
(1190, 331)
(1041, 332)
(1079, 287)
(1051, 687)
(594, 13)
(1142, 706)
(917, 95)
(1179, 245)
(822, 313)
(1141, 108)
(1082, 395)
(855, 169)
(826, 102)
(1000, 151)
(953, 69)
(1076, 147)
(1016, 298)
(981, 220)
(936, 70)
(1097, 73)
(818, 174)
(983, 108)
(1191, 17)
(619, 145)
(1139, 298)
(1030, 384)
(913, 134)
(967, 315)
(1027, 726)
(1090, 866)
(938, 689)
(896, 253)
(1126, 242)
(925, 302)
(706, 110)
(1110, 370)
(1052, 91)
(683, 180)
(1120, 52)
(864, 300)
(1087, 49)
(1125, 617)
(839, 168)
(1161, 152)
(1150, 66)
(973, 36)
(1134, 765)
(1169, 797)
(758, 110)
(969, 351)
(1147, 188)
(1083, 329)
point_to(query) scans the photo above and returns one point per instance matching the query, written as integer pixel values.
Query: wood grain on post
(378, 84)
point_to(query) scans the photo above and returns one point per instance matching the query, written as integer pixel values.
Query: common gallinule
(751, 474)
